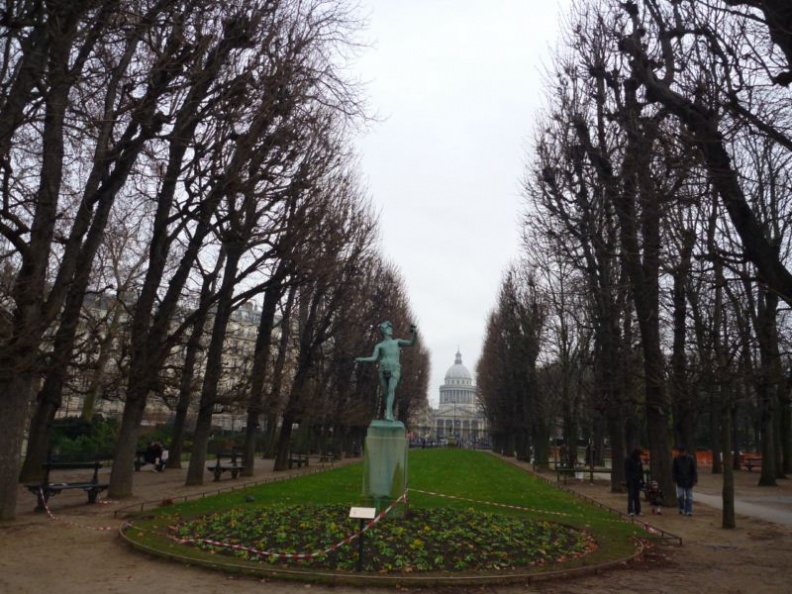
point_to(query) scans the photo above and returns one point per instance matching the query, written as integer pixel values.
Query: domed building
(459, 415)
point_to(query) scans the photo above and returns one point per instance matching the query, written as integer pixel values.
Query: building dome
(458, 374)
(459, 415)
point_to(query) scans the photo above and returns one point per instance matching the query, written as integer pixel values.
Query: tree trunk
(284, 442)
(121, 474)
(186, 383)
(38, 444)
(261, 361)
(13, 417)
(785, 430)
(681, 394)
(715, 419)
(270, 436)
(767, 336)
(176, 446)
(725, 404)
(728, 517)
(214, 367)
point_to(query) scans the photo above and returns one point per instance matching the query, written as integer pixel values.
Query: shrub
(74, 439)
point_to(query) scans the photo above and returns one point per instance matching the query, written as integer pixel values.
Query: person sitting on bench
(154, 455)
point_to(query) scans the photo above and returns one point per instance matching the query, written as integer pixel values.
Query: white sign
(363, 513)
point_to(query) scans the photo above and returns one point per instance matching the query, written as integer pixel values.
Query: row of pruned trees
(172, 160)
(656, 235)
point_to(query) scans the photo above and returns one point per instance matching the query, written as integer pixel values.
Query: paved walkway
(776, 509)
(771, 504)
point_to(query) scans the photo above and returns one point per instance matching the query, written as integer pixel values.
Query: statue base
(385, 466)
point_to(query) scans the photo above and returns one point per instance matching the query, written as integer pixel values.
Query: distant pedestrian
(633, 476)
(685, 475)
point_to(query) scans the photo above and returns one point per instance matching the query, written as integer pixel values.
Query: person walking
(634, 477)
(685, 475)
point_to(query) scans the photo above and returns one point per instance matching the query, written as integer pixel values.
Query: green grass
(470, 512)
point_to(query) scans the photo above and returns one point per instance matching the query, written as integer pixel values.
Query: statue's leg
(389, 401)
(394, 380)
(384, 392)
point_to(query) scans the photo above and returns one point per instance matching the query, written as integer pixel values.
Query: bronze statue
(386, 354)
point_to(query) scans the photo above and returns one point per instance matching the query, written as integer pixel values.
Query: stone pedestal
(385, 465)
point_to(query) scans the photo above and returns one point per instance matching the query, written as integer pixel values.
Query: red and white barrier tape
(348, 540)
(70, 522)
(492, 503)
(646, 526)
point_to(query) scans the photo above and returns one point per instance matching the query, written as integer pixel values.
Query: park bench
(328, 456)
(45, 489)
(140, 461)
(297, 458)
(751, 462)
(234, 466)
(565, 472)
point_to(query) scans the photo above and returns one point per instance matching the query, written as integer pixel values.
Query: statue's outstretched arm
(373, 359)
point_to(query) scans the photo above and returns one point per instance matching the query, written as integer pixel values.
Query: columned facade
(459, 417)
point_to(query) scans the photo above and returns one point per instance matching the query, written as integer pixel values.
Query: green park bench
(234, 465)
(46, 488)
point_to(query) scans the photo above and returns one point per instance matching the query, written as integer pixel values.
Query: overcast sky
(457, 84)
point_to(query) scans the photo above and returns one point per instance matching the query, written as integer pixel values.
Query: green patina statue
(386, 354)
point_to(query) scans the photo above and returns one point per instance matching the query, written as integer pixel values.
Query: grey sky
(457, 84)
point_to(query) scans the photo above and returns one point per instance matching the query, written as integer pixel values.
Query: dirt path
(754, 558)
(73, 551)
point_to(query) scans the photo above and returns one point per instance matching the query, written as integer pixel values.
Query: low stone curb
(363, 579)
(370, 579)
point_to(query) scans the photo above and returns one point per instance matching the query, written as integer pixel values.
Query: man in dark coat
(634, 477)
(685, 476)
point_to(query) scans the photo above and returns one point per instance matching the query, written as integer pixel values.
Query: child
(654, 494)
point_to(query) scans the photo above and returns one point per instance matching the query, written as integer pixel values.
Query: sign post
(363, 514)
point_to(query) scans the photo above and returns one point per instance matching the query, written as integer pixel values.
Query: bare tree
(671, 47)
(53, 58)
(330, 274)
(516, 409)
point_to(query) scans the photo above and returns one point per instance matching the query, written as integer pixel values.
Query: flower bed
(428, 540)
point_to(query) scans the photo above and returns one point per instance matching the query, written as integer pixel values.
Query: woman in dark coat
(634, 476)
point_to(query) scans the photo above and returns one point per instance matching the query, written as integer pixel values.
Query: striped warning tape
(621, 517)
(277, 555)
(493, 503)
(646, 526)
(71, 522)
